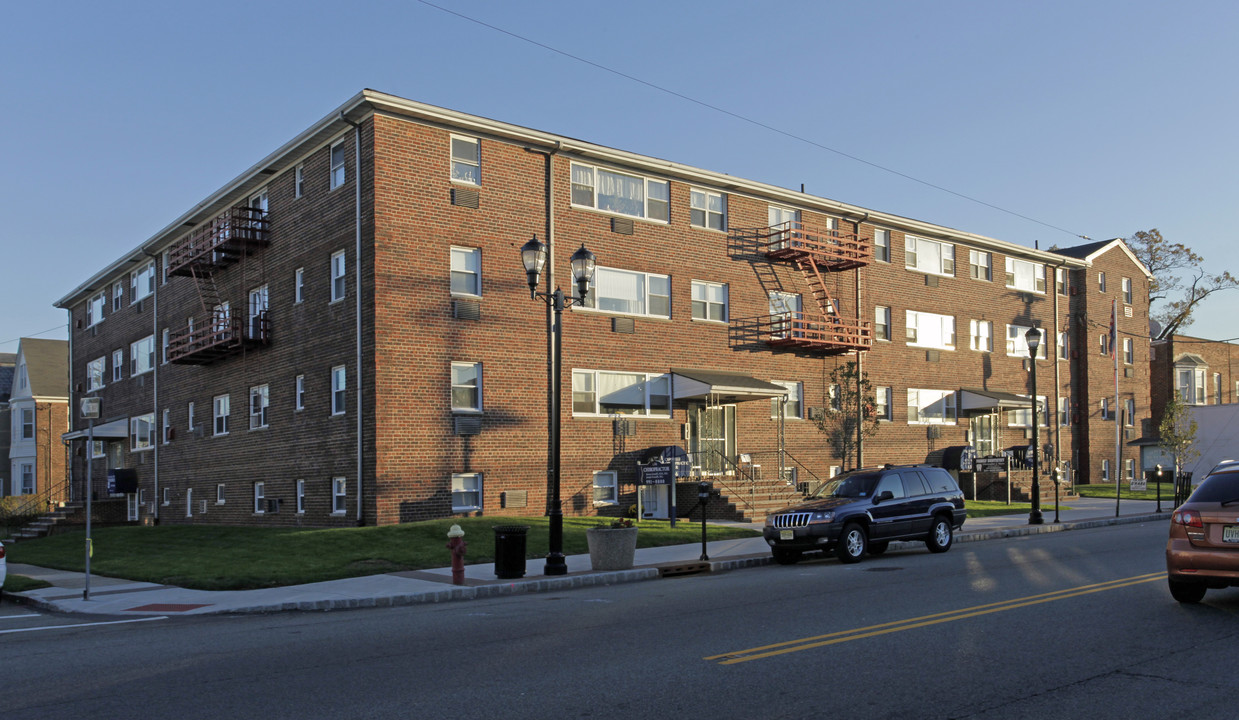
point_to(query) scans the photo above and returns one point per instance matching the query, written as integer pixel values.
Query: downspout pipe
(357, 306)
(154, 378)
(860, 367)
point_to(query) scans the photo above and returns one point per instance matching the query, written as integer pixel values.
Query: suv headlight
(822, 517)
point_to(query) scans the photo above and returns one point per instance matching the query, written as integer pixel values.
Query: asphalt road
(1075, 624)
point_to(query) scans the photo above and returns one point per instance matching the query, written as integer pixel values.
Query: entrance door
(131, 502)
(983, 440)
(783, 220)
(784, 311)
(712, 441)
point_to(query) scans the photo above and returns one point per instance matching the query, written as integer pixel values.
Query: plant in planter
(612, 545)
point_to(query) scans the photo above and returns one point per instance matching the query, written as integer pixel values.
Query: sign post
(91, 409)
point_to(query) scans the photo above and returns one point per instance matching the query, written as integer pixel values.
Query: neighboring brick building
(329, 342)
(1203, 372)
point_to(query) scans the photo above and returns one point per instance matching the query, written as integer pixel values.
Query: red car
(1203, 550)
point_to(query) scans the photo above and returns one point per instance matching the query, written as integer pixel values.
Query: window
(167, 496)
(882, 245)
(602, 392)
(980, 265)
(259, 400)
(1105, 343)
(1129, 469)
(466, 160)
(1126, 290)
(606, 490)
(167, 426)
(337, 276)
(466, 387)
(930, 330)
(258, 312)
(882, 402)
(792, 401)
(142, 282)
(708, 209)
(94, 309)
(163, 268)
(337, 165)
(97, 450)
(466, 271)
(1105, 409)
(260, 498)
(1017, 342)
(882, 323)
(1105, 469)
(1061, 284)
(931, 407)
(190, 414)
(709, 301)
(299, 285)
(929, 256)
(94, 373)
(219, 494)
(1064, 411)
(118, 295)
(1063, 350)
(466, 492)
(189, 502)
(1101, 281)
(142, 356)
(338, 385)
(299, 393)
(1217, 388)
(982, 333)
(165, 337)
(628, 292)
(631, 195)
(27, 479)
(1129, 351)
(1190, 385)
(1026, 276)
(1129, 412)
(223, 407)
(1022, 416)
(27, 429)
(299, 181)
(834, 400)
(301, 497)
(142, 432)
(338, 494)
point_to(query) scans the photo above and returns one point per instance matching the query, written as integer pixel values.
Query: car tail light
(1, 552)
(1190, 518)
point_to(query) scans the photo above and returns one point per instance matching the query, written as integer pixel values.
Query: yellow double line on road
(817, 641)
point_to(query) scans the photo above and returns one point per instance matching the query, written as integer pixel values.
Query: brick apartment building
(1202, 372)
(343, 334)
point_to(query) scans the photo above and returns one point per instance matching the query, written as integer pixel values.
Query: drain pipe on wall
(357, 282)
(860, 367)
(154, 381)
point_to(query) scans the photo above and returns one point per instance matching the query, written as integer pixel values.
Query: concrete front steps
(43, 526)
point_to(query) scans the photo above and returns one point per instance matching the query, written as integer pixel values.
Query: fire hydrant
(456, 543)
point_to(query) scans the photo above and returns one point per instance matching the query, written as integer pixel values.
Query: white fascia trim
(1122, 246)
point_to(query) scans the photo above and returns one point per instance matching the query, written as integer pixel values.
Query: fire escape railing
(221, 241)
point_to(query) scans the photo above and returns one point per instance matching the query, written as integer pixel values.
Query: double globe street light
(534, 255)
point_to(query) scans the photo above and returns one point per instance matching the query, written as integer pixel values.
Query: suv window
(914, 483)
(1219, 488)
(890, 482)
(857, 485)
(940, 481)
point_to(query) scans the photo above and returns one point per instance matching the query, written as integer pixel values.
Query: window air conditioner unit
(467, 424)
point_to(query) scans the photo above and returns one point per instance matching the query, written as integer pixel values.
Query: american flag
(1114, 327)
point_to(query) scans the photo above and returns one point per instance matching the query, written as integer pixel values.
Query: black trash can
(510, 551)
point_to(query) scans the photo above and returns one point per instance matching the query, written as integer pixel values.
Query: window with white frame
(142, 356)
(165, 339)
(709, 301)
(466, 492)
(1101, 281)
(339, 385)
(1105, 409)
(1129, 469)
(118, 295)
(167, 496)
(1022, 416)
(167, 426)
(28, 480)
(299, 181)
(1017, 342)
(466, 160)
(163, 268)
(605, 392)
(982, 334)
(882, 245)
(142, 282)
(1190, 385)
(94, 309)
(219, 494)
(1064, 411)
(928, 256)
(1104, 340)
(1063, 348)
(189, 413)
(339, 493)
(258, 312)
(931, 407)
(259, 400)
(792, 400)
(97, 449)
(1129, 412)
(299, 285)
(1129, 351)
(223, 408)
(1105, 469)
(606, 488)
(980, 265)
(930, 330)
(142, 432)
(610, 191)
(189, 502)
(337, 165)
(1061, 281)
(834, 400)
(260, 497)
(27, 424)
(708, 209)
(882, 402)
(1126, 282)
(338, 287)
(1217, 388)
(466, 271)
(882, 323)
(299, 393)
(301, 497)
(629, 292)
(1026, 276)
(95, 370)
(466, 387)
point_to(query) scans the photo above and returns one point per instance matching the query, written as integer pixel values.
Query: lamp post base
(1034, 517)
(555, 565)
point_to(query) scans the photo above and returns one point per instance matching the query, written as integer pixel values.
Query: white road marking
(81, 625)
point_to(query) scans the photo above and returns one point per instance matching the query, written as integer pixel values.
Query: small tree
(852, 408)
(1178, 432)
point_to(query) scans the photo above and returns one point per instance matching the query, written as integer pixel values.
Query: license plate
(791, 535)
(1230, 533)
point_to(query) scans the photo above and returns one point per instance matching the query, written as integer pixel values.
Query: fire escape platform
(235, 233)
(832, 251)
(217, 340)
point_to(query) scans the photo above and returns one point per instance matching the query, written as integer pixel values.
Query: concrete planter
(611, 548)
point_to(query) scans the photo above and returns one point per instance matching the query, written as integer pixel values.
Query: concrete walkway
(112, 596)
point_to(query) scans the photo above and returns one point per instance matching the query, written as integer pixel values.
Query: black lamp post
(533, 255)
(1159, 487)
(1033, 338)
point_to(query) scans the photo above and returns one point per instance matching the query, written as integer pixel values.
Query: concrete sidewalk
(111, 596)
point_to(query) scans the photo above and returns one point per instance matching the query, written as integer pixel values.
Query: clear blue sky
(1099, 118)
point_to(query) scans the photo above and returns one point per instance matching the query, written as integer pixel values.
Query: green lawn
(21, 583)
(235, 558)
(985, 508)
(1107, 491)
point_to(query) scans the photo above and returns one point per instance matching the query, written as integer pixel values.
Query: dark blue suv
(862, 511)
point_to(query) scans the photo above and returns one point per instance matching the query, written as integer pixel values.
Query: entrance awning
(978, 399)
(107, 431)
(721, 386)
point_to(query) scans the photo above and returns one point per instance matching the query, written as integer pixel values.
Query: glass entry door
(712, 440)
(983, 439)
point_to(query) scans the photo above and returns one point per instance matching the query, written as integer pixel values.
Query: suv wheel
(852, 543)
(1187, 592)
(786, 557)
(940, 535)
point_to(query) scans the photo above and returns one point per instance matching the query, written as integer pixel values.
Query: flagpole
(1118, 418)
